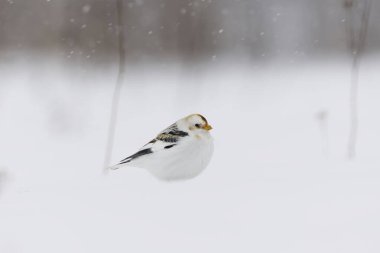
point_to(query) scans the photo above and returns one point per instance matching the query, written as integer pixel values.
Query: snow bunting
(181, 151)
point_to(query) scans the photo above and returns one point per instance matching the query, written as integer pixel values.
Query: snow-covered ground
(279, 180)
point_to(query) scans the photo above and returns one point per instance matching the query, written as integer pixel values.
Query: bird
(181, 151)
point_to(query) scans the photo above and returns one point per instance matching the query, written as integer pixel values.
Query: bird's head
(195, 123)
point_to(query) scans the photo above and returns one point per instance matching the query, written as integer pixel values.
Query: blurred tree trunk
(118, 85)
(356, 44)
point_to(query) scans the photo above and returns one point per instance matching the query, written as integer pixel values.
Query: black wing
(136, 155)
(171, 134)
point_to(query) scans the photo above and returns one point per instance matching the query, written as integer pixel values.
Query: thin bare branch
(118, 85)
(357, 48)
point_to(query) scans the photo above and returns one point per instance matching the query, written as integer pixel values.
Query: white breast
(184, 161)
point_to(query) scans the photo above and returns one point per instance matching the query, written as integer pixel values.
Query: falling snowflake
(86, 8)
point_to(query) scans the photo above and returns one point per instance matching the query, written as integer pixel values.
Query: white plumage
(181, 151)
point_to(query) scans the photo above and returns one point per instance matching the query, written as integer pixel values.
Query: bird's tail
(121, 163)
(115, 167)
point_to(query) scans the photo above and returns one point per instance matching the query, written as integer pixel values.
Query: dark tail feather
(119, 165)
(130, 158)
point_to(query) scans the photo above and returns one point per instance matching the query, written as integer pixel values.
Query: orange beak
(207, 127)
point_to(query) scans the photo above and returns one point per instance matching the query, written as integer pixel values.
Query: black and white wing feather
(165, 140)
(171, 134)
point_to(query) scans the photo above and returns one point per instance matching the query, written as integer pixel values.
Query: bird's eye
(198, 125)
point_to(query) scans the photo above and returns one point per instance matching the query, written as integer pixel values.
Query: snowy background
(279, 180)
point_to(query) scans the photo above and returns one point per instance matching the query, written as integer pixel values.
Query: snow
(271, 185)
(86, 8)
